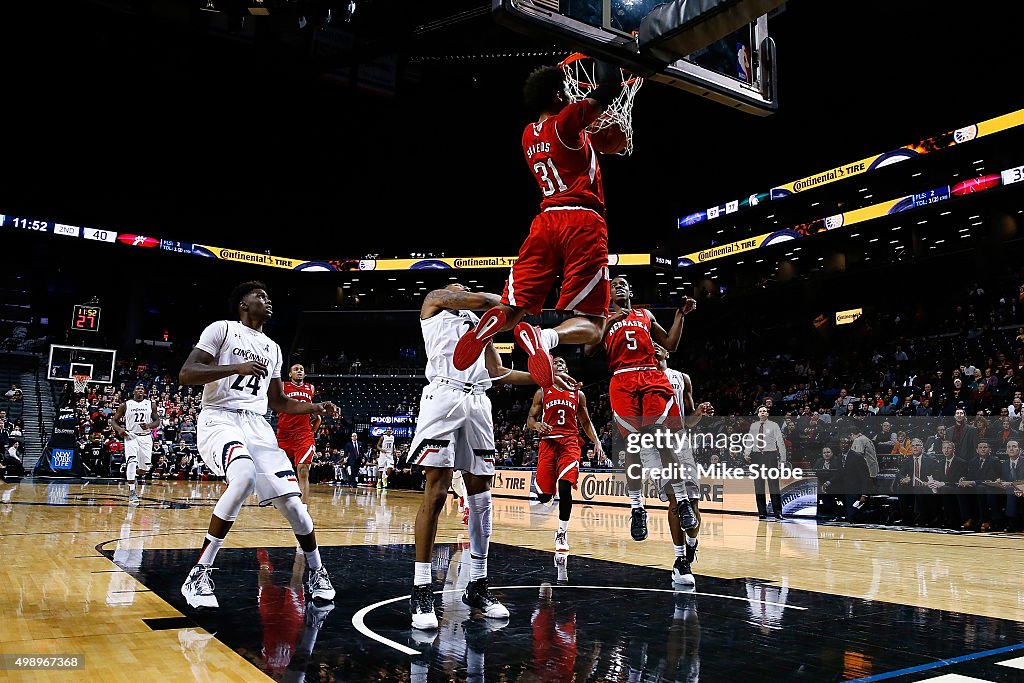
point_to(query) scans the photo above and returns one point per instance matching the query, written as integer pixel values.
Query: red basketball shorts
(557, 459)
(642, 398)
(299, 449)
(573, 243)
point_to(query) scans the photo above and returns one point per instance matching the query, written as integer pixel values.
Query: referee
(767, 449)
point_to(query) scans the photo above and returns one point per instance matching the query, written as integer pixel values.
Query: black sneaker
(681, 573)
(691, 552)
(421, 605)
(478, 595)
(684, 511)
(638, 525)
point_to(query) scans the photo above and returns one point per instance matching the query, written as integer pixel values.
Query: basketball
(610, 140)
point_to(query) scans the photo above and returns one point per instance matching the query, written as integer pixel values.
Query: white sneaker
(319, 584)
(421, 605)
(561, 541)
(198, 588)
(133, 499)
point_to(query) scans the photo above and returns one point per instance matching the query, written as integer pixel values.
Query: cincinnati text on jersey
(250, 356)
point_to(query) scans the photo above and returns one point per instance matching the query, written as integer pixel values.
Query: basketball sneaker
(317, 613)
(478, 595)
(472, 343)
(421, 605)
(133, 499)
(562, 567)
(691, 552)
(561, 541)
(318, 583)
(684, 511)
(198, 588)
(540, 365)
(638, 524)
(681, 572)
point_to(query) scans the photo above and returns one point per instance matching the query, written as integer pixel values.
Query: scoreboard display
(86, 318)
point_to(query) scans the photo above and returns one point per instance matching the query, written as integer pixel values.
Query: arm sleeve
(279, 361)
(213, 337)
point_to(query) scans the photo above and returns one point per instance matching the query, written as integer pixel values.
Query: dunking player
(553, 415)
(642, 399)
(385, 457)
(295, 432)
(241, 368)
(568, 237)
(685, 542)
(454, 431)
(134, 422)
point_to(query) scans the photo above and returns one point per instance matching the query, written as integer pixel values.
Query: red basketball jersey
(559, 154)
(628, 342)
(296, 424)
(560, 408)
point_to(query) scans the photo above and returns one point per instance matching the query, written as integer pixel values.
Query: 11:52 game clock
(86, 318)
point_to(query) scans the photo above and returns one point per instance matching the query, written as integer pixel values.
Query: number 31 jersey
(559, 154)
(230, 343)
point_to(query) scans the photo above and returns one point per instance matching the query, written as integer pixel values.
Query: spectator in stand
(964, 436)
(827, 469)
(885, 441)
(933, 446)
(902, 445)
(977, 501)
(14, 393)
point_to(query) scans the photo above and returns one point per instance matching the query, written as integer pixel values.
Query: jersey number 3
(252, 385)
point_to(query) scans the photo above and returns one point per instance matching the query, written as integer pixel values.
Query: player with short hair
(385, 457)
(642, 399)
(295, 432)
(557, 415)
(568, 237)
(134, 422)
(240, 367)
(684, 541)
(454, 430)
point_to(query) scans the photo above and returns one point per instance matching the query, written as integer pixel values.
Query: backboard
(720, 54)
(66, 361)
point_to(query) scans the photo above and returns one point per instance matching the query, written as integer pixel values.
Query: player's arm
(154, 418)
(315, 422)
(117, 422)
(571, 121)
(693, 416)
(440, 299)
(280, 403)
(533, 420)
(588, 427)
(199, 368)
(591, 349)
(492, 361)
(670, 339)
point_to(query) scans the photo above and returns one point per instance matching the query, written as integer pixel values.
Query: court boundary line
(935, 665)
(358, 619)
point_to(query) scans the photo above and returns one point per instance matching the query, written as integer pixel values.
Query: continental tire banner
(468, 262)
(847, 170)
(716, 494)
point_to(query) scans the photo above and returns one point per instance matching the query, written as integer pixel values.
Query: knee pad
(241, 484)
(295, 512)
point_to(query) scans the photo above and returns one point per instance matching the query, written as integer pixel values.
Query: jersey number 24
(252, 385)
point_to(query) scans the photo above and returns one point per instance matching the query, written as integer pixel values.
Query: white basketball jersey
(440, 335)
(230, 343)
(675, 378)
(387, 444)
(137, 414)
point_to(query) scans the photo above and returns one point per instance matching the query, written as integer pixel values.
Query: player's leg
(145, 463)
(585, 280)
(545, 480)
(435, 492)
(662, 419)
(222, 448)
(131, 467)
(568, 463)
(528, 284)
(625, 414)
(474, 455)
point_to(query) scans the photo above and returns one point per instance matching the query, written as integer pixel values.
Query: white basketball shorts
(454, 429)
(224, 435)
(140, 448)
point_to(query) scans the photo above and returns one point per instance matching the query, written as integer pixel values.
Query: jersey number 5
(631, 343)
(548, 187)
(252, 385)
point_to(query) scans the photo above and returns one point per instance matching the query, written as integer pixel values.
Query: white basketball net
(80, 381)
(580, 81)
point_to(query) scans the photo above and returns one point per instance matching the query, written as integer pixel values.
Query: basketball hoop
(81, 381)
(580, 81)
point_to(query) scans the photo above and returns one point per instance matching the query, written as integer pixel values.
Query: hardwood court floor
(63, 595)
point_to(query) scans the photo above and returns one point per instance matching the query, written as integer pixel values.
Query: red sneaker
(472, 343)
(541, 368)
(465, 516)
